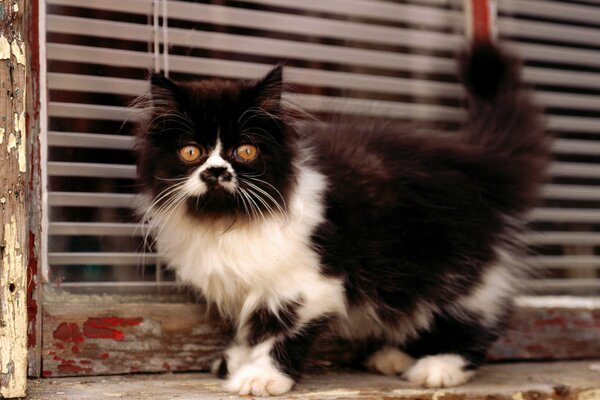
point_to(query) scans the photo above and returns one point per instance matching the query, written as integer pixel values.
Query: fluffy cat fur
(402, 241)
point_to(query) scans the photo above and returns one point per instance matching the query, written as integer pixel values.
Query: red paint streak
(75, 349)
(85, 362)
(46, 373)
(104, 356)
(182, 368)
(59, 345)
(482, 30)
(103, 328)
(536, 349)
(167, 366)
(76, 369)
(134, 369)
(70, 367)
(68, 332)
(553, 321)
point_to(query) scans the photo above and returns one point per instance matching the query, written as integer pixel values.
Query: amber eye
(190, 153)
(246, 152)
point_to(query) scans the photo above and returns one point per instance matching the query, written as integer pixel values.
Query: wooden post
(13, 217)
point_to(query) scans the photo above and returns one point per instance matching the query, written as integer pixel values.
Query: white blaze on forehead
(194, 185)
(215, 160)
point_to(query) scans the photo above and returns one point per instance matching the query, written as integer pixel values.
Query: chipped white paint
(4, 48)
(592, 394)
(19, 121)
(13, 325)
(18, 50)
(438, 395)
(16, 8)
(333, 393)
(589, 303)
(12, 142)
(2, 130)
(13, 219)
(517, 396)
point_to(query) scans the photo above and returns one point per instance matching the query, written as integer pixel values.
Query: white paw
(389, 361)
(257, 380)
(443, 370)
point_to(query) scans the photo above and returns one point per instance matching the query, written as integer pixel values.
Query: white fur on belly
(442, 370)
(499, 284)
(244, 265)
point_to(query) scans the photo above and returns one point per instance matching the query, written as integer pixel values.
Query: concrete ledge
(577, 380)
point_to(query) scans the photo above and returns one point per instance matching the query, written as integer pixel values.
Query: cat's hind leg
(450, 350)
(389, 361)
(440, 370)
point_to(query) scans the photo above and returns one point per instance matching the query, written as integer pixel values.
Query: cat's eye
(246, 152)
(190, 153)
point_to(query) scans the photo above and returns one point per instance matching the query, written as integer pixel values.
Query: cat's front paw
(258, 380)
(442, 370)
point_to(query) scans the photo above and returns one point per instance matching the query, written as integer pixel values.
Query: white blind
(387, 58)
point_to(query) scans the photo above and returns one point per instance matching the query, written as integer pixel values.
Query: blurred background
(389, 58)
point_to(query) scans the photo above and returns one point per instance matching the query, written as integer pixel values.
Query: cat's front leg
(232, 359)
(277, 348)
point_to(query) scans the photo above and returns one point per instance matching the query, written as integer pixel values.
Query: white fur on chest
(240, 266)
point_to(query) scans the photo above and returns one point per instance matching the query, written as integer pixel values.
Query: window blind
(394, 59)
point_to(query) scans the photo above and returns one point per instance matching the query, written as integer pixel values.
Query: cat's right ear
(163, 91)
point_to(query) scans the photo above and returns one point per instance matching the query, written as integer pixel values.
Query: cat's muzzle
(215, 175)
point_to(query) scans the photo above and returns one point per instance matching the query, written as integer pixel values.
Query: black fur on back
(415, 219)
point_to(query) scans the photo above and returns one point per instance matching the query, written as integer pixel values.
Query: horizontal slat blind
(383, 58)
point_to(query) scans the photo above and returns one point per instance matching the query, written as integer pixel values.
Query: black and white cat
(400, 240)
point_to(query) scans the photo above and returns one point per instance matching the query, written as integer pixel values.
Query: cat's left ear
(164, 92)
(269, 89)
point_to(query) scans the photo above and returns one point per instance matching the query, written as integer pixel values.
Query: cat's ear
(163, 91)
(269, 89)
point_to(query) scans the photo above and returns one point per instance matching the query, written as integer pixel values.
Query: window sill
(515, 381)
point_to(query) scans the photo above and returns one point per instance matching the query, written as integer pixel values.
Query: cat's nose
(211, 175)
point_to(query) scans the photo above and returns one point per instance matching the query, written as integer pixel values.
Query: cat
(405, 241)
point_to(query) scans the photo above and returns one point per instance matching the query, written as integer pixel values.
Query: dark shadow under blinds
(392, 59)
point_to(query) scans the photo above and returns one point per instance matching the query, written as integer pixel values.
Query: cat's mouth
(217, 200)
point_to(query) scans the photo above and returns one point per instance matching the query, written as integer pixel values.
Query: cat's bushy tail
(503, 124)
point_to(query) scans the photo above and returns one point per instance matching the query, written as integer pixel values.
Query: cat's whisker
(264, 203)
(265, 193)
(273, 187)
(178, 179)
(255, 208)
(237, 195)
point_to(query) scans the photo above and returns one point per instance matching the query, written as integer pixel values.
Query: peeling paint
(4, 48)
(13, 347)
(592, 394)
(12, 142)
(517, 396)
(18, 51)
(16, 8)
(19, 121)
(2, 130)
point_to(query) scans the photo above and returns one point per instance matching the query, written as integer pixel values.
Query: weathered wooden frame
(118, 338)
(15, 195)
(98, 335)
